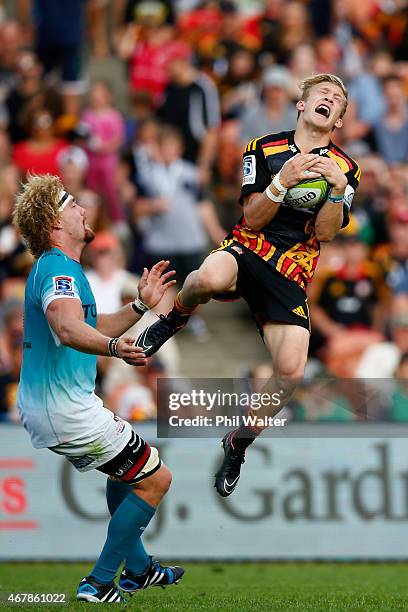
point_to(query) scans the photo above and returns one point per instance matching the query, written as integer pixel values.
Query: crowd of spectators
(160, 174)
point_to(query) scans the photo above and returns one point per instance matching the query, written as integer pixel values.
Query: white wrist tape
(139, 307)
(276, 183)
(275, 198)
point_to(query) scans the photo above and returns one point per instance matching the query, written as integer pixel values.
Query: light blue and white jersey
(56, 397)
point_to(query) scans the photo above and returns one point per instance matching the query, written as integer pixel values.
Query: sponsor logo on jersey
(249, 170)
(63, 285)
(81, 462)
(124, 468)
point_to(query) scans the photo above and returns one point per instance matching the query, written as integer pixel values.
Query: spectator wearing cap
(191, 104)
(108, 272)
(274, 111)
(140, 7)
(73, 166)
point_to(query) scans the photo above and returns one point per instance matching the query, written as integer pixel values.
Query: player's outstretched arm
(65, 316)
(152, 286)
(329, 219)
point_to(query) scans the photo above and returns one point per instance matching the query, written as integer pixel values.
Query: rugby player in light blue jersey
(63, 334)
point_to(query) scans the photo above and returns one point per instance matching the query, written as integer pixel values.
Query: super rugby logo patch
(64, 285)
(249, 170)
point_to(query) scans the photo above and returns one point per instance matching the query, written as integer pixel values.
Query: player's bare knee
(208, 281)
(161, 481)
(164, 480)
(155, 487)
(291, 371)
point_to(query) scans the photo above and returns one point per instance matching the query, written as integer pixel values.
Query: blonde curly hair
(36, 211)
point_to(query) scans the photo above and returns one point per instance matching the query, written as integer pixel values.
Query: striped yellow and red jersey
(288, 242)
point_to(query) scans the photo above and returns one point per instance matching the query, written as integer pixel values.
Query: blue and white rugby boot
(155, 575)
(92, 591)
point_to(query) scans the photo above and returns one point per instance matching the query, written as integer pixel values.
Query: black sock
(244, 436)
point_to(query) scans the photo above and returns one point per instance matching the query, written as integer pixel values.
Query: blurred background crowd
(143, 107)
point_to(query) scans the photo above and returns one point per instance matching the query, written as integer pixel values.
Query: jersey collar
(58, 251)
(319, 150)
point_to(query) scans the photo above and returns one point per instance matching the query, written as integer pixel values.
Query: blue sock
(137, 560)
(127, 523)
(116, 491)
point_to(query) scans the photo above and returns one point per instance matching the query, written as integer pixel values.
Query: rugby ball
(308, 193)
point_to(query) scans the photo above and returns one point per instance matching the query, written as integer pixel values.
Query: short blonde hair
(36, 211)
(316, 79)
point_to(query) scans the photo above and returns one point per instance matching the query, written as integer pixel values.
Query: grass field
(232, 587)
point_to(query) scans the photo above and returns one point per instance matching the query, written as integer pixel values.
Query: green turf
(233, 587)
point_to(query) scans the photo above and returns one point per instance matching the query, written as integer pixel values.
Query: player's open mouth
(323, 109)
